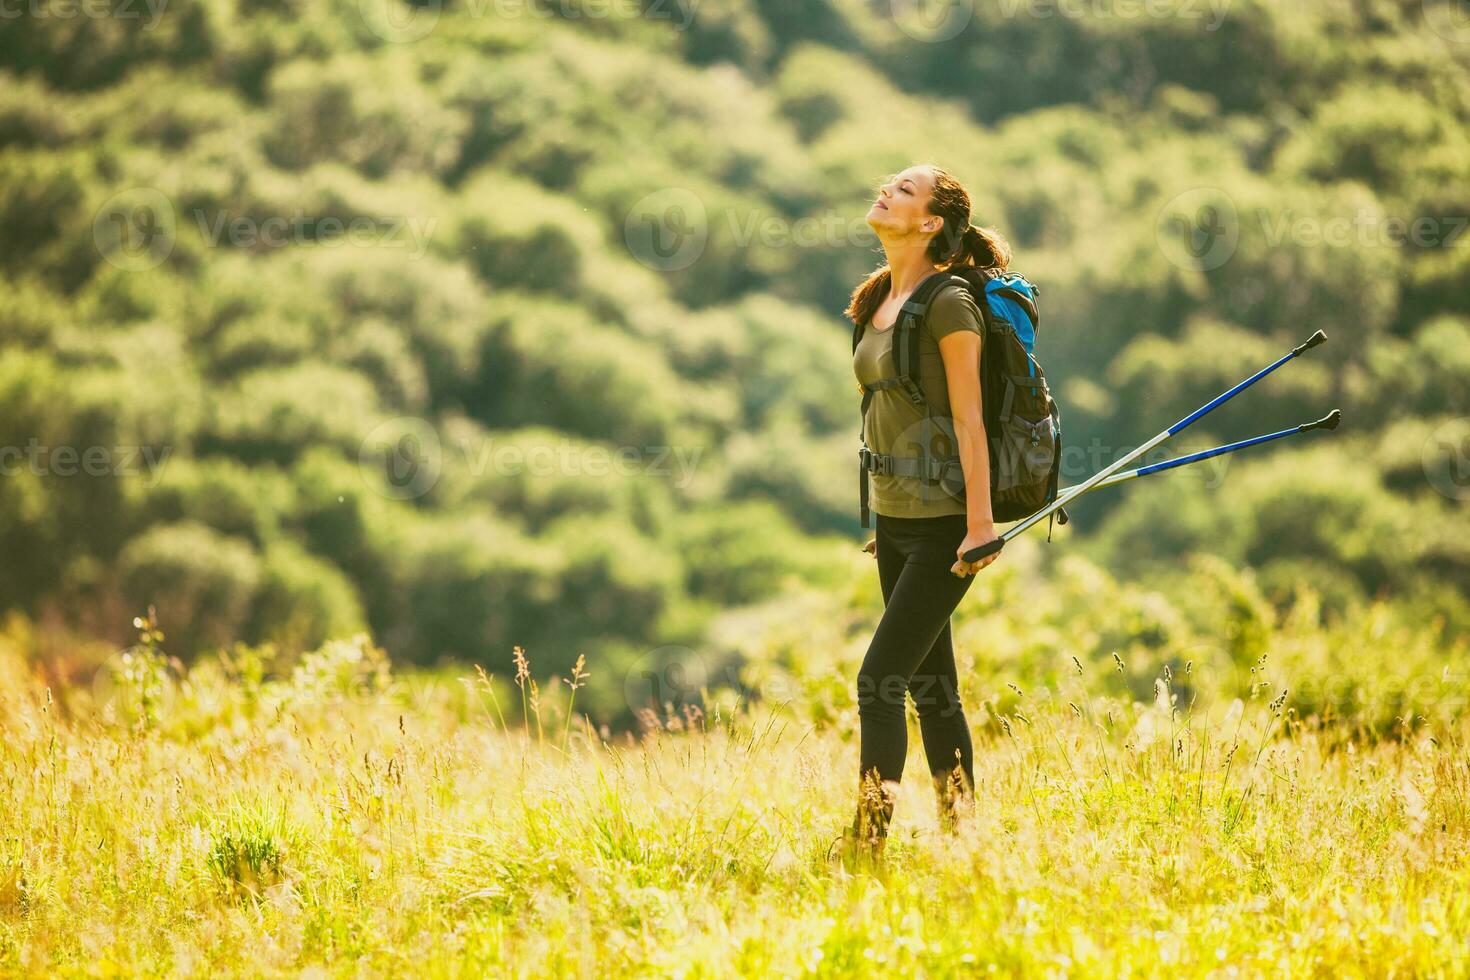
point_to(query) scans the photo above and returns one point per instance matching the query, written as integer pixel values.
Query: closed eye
(906, 185)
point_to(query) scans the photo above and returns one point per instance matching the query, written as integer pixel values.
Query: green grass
(395, 825)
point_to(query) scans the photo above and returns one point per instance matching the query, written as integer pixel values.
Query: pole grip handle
(1328, 421)
(984, 551)
(1320, 337)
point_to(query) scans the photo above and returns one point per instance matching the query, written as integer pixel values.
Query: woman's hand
(872, 548)
(977, 536)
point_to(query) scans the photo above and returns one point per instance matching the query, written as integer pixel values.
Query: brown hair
(956, 243)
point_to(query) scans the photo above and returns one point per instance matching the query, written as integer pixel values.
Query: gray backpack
(1022, 423)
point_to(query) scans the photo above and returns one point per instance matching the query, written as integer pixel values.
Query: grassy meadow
(369, 342)
(333, 817)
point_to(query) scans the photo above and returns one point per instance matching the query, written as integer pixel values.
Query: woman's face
(902, 205)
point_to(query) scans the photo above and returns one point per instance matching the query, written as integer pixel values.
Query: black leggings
(913, 651)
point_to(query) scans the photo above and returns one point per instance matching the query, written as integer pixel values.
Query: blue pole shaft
(1069, 492)
(1219, 400)
(975, 554)
(1217, 451)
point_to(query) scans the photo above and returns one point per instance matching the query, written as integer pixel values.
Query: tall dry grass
(339, 819)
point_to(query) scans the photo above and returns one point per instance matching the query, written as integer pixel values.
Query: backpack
(1022, 423)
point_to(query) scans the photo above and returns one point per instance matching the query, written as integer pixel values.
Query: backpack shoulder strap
(910, 317)
(980, 282)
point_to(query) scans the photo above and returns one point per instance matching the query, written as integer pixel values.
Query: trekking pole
(992, 547)
(1328, 421)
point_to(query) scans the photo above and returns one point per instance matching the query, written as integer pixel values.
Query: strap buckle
(875, 462)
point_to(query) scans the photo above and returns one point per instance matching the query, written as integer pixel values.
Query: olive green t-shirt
(893, 424)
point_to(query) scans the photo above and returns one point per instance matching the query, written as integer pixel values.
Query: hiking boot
(857, 852)
(954, 800)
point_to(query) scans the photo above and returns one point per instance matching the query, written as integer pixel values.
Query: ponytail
(960, 243)
(984, 248)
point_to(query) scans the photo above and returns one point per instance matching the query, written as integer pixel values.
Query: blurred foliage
(361, 320)
(1353, 664)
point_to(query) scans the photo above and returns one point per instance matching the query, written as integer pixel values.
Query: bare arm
(961, 353)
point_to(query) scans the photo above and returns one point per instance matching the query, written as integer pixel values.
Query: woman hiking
(922, 219)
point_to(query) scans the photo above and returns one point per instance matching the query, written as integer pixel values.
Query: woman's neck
(908, 264)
